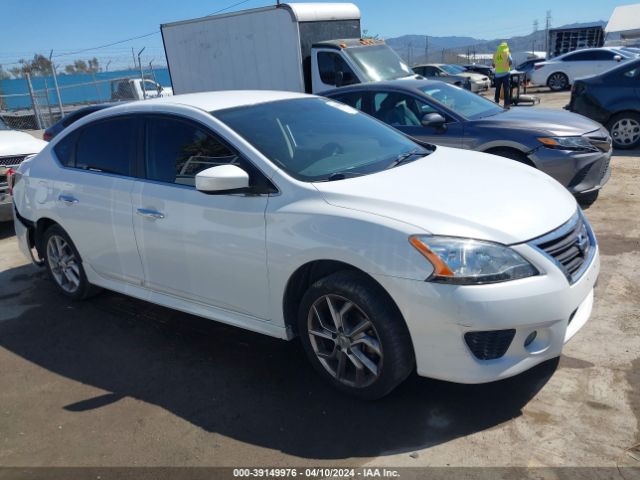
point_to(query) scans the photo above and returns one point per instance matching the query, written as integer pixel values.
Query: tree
(80, 66)
(39, 65)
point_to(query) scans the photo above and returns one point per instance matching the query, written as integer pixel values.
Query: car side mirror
(433, 120)
(222, 178)
(617, 58)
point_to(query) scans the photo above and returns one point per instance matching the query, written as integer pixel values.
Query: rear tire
(625, 130)
(354, 335)
(558, 81)
(64, 265)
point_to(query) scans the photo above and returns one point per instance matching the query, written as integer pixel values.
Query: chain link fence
(36, 103)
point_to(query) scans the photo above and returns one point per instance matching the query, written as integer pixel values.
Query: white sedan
(15, 146)
(297, 216)
(560, 72)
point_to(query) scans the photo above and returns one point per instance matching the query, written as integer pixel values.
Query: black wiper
(341, 176)
(403, 157)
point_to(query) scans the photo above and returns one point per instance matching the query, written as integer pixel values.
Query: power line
(230, 6)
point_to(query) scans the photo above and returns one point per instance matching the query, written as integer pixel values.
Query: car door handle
(67, 199)
(143, 212)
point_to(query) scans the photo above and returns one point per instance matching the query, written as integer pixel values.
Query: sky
(67, 26)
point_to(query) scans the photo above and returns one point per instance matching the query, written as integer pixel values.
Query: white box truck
(302, 47)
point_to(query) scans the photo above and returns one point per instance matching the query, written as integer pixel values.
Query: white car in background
(455, 75)
(560, 72)
(14, 147)
(294, 215)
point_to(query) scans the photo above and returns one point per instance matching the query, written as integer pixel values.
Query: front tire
(354, 335)
(558, 81)
(64, 264)
(625, 130)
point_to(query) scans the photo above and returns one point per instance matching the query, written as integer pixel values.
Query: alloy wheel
(63, 264)
(625, 131)
(345, 341)
(557, 81)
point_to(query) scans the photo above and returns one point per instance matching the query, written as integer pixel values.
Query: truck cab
(337, 63)
(125, 89)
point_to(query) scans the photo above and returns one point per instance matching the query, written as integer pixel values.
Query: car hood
(540, 120)
(13, 143)
(460, 193)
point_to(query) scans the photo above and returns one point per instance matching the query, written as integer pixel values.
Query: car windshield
(379, 62)
(462, 102)
(3, 126)
(452, 69)
(316, 139)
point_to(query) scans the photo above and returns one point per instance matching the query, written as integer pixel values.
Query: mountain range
(413, 47)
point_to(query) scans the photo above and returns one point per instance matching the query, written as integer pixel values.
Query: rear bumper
(438, 316)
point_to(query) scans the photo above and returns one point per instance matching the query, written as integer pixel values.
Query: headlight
(464, 261)
(567, 143)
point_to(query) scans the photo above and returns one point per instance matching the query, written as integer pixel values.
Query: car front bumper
(580, 172)
(438, 316)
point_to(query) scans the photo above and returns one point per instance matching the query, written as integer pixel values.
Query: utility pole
(547, 24)
(535, 25)
(144, 92)
(426, 49)
(133, 55)
(55, 83)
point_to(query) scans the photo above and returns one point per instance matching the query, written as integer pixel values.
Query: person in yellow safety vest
(502, 62)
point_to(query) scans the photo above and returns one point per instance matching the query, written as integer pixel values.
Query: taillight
(46, 136)
(537, 66)
(10, 173)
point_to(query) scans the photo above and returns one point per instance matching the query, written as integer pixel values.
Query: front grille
(604, 169)
(11, 161)
(489, 345)
(571, 247)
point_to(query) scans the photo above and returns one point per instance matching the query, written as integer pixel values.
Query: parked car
(433, 73)
(15, 146)
(479, 81)
(289, 214)
(528, 66)
(612, 99)
(440, 71)
(572, 149)
(486, 70)
(68, 119)
(137, 89)
(560, 72)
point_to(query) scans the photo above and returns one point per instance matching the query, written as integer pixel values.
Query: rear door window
(108, 146)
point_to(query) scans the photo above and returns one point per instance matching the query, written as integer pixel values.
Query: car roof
(213, 101)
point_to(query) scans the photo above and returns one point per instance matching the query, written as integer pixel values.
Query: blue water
(89, 93)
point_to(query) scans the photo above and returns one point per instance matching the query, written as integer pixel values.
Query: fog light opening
(530, 338)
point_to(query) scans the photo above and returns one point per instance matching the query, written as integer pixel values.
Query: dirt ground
(119, 382)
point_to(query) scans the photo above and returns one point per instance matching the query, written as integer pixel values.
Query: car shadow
(246, 386)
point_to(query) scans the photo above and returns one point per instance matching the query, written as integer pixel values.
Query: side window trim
(207, 130)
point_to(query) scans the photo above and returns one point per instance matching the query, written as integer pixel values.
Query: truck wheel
(65, 265)
(558, 81)
(354, 335)
(625, 130)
